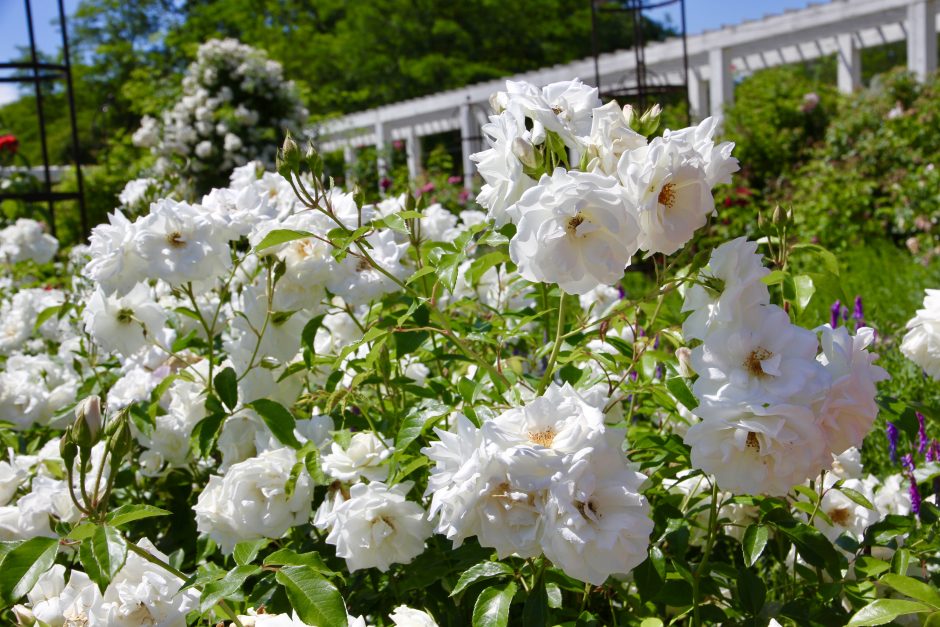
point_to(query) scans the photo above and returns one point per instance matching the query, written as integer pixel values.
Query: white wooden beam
(922, 38)
(381, 143)
(721, 86)
(413, 152)
(467, 140)
(698, 95)
(849, 62)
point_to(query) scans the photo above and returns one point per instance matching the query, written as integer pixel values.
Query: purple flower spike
(859, 313)
(921, 433)
(908, 462)
(915, 497)
(893, 435)
(834, 318)
(933, 453)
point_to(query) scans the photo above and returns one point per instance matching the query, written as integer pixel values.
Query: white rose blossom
(575, 229)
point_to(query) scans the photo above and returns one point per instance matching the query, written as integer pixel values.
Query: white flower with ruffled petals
(576, 229)
(377, 527)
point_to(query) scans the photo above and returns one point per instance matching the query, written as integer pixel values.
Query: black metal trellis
(40, 73)
(646, 85)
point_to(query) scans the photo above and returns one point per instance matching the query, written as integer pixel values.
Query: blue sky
(700, 15)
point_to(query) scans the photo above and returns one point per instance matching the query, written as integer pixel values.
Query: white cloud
(8, 93)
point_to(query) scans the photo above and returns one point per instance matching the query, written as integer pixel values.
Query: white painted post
(849, 62)
(721, 87)
(698, 96)
(922, 38)
(466, 144)
(381, 143)
(413, 153)
(349, 160)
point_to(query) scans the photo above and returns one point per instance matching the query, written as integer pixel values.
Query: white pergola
(840, 27)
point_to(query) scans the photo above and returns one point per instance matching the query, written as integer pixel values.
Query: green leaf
(882, 611)
(316, 600)
(226, 385)
(130, 512)
(246, 552)
(492, 606)
(215, 591)
(103, 555)
(420, 273)
(483, 570)
(808, 492)
(867, 566)
(751, 591)
(288, 557)
(425, 413)
(45, 314)
(804, 290)
(280, 236)
(680, 390)
(857, 497)
(900, 561)
(205, 432)
(535, 610)
(278, 419)
(908, 586)
(22, 566)
(753, 543)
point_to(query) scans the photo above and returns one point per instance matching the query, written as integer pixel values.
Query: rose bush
(280, 405)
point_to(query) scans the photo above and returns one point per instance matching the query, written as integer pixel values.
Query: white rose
(575, 229)
(364, 457)
(921, 344)
(377, 527)
(251, 501)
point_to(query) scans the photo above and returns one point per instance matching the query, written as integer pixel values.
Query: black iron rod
(71, 97)
(685, 66)
(42, 119)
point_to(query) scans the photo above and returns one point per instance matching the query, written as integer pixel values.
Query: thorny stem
(153, 559)
(550, 366)
(706, 553)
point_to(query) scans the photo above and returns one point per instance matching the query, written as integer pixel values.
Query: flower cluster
(548, 477)
(579, 228)
(922, 342)
(235, 107)
(25, 240)
(774, 408)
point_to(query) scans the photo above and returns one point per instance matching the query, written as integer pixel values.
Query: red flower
(9, 143)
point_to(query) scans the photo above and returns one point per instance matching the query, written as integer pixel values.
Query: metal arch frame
(642, 89)
(40, 73)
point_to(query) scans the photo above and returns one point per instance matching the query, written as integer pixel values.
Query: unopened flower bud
(67, 448)
(119, 444)
(525, 152)
(779, 216)
(649, 121)
(629, 116)
(288, 160)
(24, 616)
(87, 427)
(684, 355)
(498, 102)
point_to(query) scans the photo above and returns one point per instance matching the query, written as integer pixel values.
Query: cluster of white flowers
(774, 408)
(548, 477)
(140, 594)
(922, 342)
(235, 107)
(579, 229)
(25, 240)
